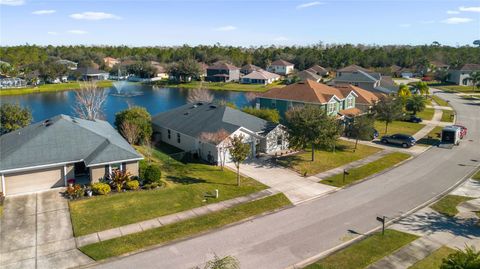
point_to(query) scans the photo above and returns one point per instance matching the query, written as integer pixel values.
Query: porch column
(65, 174)
(3, 184)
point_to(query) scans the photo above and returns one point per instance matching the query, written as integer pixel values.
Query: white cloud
(405, 25)
(93, 16)
(44, 12)
(226, 28)
(77, 32)
(457, 20)
(453, 12)
(12, 2)
(281, 38)
(470, 9)
(309, 4)
(52, 33)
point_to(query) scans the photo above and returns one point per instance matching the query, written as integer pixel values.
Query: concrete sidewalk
(429, 125)
(168, 219)
(415, 150)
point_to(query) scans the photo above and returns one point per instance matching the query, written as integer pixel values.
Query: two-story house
(460, 75)
(365, 79)
(222, 72)
(335, 101)
(281, 67)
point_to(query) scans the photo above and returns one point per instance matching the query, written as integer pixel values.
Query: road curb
(325, 253)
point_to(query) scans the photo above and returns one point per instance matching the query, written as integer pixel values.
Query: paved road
(292, 235)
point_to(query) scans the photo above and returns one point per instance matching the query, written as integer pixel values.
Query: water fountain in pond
(121, 91)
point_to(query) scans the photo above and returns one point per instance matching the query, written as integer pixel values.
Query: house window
(178, 138)
(279, 140)
(349, 102)
(169, 134)
(331, 107)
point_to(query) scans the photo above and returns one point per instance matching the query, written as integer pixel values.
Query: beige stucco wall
(132, 168)
(97, 173)
(70, 171)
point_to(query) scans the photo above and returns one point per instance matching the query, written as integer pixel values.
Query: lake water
(154, 99)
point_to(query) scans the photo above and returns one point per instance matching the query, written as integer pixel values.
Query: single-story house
(110, 61)
(260, 77)
(365, 79)
(308, 74)
(8, 82)
(335, 101)
(281, 67)
(249, 68)
(222, 72)
(459, 76)
(161, 70)
(46, 154)
(318, 70)
(69, 64)
(89, 73)
(204, 129)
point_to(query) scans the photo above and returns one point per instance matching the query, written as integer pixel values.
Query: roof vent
(47, 121)
(194, 106)
(186, 113)
(199, 104)
(48, 124)
(213, 106)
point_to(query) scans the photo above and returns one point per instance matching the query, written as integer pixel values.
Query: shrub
(101, 188)
(74, 192)
(147, 186)
(118, 179)
(133, 185)
(152, 174)
(155, 185)
(468, 258)
(2, 198)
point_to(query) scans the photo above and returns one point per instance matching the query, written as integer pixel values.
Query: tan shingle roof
(281, 63)
(363, 96)
(353, 68)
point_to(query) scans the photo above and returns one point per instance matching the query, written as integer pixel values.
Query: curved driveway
(290, 236)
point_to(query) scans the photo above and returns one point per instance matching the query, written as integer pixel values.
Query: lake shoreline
(70, 86)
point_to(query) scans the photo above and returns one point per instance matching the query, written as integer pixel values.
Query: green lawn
(447, 115)
(440, 101)
(365, 252)
(186, 186)
(457, 88)
(1, 210)
(426, 114)
(434, 260)
(432, 138)
(369, 169)
(448, 204)
(476, 176)
(52, 88)
(326, 160)
(182, 229)
(228, 86)
(398, 127)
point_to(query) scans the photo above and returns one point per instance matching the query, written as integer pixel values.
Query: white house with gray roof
(204, 129)
(47, 154)
(365, 79)
(260, 77)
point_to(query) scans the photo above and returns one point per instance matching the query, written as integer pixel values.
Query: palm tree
(474, 78)
(469, 258)
(422, 87)
(415, 104)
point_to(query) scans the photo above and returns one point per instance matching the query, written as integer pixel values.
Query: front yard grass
(185, 188)
(225, 86)
(448, 204)
(476, 176)
(51, 88)
(1, 210)
(426, 114)
(398, 127)
(434, 260)
(366, 170)
(440, 101)
(365, 252)
(182, 229)
(432, 138)
(326, 160)
(447, 115)
(457, 88)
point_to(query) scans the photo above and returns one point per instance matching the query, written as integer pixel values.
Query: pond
(120, 97)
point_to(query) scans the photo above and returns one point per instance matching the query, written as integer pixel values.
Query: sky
(238, 22)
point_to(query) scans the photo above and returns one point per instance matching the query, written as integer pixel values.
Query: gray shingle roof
(64, 139)
(357, 76)
(195, 119)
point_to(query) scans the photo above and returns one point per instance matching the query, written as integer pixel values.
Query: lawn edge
(325, 253)
(107, 260)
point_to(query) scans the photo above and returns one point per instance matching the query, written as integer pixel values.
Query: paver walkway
(347, 166)
(36, 232)
(298, 189)
(168, 219)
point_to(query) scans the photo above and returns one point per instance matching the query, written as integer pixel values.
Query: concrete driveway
(36, 232)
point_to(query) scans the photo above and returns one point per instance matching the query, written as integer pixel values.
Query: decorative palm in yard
(474, 78)
(467, 259)
(415, 104)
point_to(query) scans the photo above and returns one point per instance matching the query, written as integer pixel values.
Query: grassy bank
(447, 115)
(426, 114)
(457, 88)
(440, 101)
(185, 188)
(397, 127)
(326, 160)
(182, 229)
(51, 88)
(365, 252)
(432, 138)
(448, 204)
(367, 170)
(476, 176)
(220, 86)
(434, 260)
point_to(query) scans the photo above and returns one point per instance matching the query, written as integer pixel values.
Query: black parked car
(403, 140)
(413, 119)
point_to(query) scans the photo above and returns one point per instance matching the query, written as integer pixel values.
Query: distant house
(46, 154)
(281, 67)
(438, 65)
(365, 100)
(8, 82)
(110, 61)
(89, 73)
(335, 101)
(161, 70)
(365, 79)
(459, 76)
(203, 129)
(308, 75)
(223, 72)
(318, 70)
(260, 77)
(249, 68)
(69, 64)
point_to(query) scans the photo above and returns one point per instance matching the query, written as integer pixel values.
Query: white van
(451, 135)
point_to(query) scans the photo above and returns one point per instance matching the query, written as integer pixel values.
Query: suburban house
(47, 154)
(110, 62)
(318, 70)
(8, 82)
(281, 67)
(308, 75)
(335, 101)
(203, 129)
(249, 68)
(90, 73)
(459, 76)
(69, 64)
(161, 71)
(365, 99)
(260, 77)
(222, 72)
(365, 79)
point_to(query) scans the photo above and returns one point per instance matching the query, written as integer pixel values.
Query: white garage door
(32, 181)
